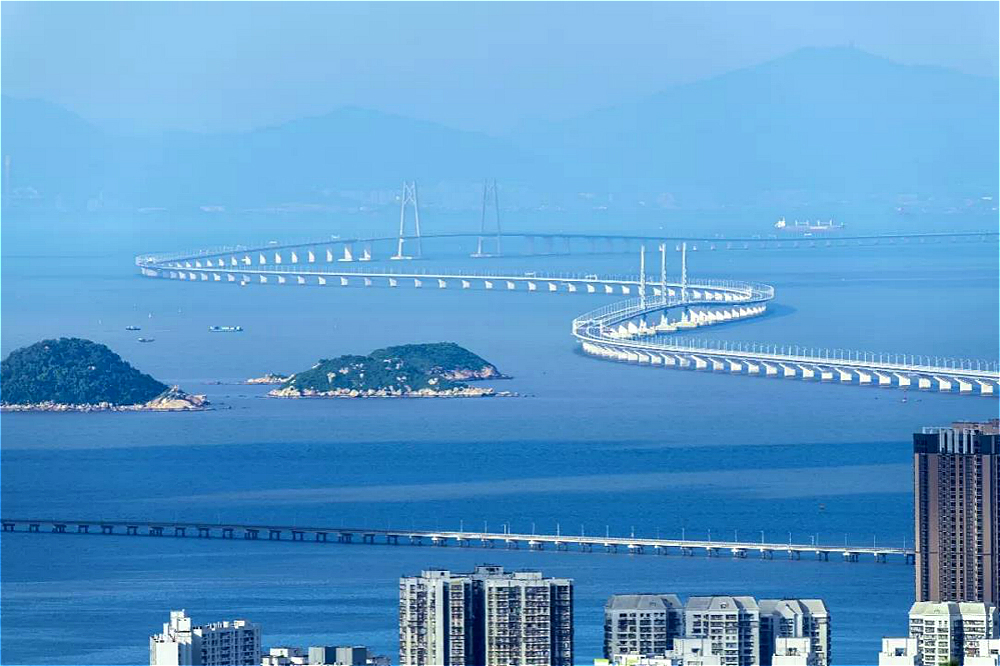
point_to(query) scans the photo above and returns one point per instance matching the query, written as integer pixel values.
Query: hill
(72, 371)
(425, 370)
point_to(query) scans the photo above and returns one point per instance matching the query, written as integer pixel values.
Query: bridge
(460, 538)
(638, 330)
(530, 243)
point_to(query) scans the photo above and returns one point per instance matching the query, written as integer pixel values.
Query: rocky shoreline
(467, 392)
(172, 400)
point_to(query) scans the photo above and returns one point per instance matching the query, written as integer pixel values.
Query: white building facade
(228, 643)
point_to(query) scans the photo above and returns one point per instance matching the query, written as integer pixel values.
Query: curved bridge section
(633, 331)
(643, 329)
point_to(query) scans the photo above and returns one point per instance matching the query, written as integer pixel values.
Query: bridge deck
(462, 538)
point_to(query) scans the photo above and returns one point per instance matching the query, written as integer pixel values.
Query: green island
(73, 374)
(419, 370)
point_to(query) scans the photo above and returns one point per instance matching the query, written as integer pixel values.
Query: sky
(232, 66)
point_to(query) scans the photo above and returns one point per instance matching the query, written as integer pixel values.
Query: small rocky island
(76, 375)
(435, 370)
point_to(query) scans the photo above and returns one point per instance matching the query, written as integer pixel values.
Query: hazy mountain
(830, 123)
(836, 121)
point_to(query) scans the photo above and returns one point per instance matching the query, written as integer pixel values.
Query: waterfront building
(899, 652)
(228, 643)
(794, 652)
(684, 652)
(641, 624)
(730, 624)
(324, 655)
(794, 619)
(486, 617)
(734, 630)
(957, 507)
(946, 632)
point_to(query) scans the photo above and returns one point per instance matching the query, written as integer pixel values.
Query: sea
(588, 446)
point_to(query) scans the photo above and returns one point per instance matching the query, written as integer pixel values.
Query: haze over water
(592, 445)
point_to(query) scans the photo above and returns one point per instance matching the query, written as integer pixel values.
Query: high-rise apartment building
(730, 624)
(229, 643)
(487, 617)
(643, 624)
(957, 507)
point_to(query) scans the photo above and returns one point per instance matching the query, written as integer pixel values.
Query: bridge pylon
(490, 200)
(409, 197)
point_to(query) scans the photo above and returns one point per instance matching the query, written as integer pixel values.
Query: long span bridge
(643, 329)
(460, 538)
(372, 248)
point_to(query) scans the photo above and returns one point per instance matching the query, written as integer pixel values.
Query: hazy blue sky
(233, 65)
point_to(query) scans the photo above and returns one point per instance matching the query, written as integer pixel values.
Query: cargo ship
(133, 328)
(146, 339)
(225, 329)
(807, 228)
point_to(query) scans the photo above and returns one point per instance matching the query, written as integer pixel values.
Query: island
(77, 375)
(434, 370)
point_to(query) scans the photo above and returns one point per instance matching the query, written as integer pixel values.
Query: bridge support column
(822, 555)
(320, 536)
(345, 537)
(250, 534)
(766, 554)
(156, 531)
(180, 531)
(487, 543)
(299, 535)
(794, 555)
(227, 532)
(204, 533)
(368, 538)
(274, 535)
(416, 541)
(850, 557)
(82, 529)
(132, 530)
(107, 529)
(59, 528)
(687, 551)
(8, 527)
(611, 548)
(392, 538)
(880, 558)
(586, 547)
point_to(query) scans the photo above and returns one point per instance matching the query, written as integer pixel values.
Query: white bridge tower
(409, 197)
(490, 200)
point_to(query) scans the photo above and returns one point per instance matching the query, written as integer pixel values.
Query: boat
(133, 328)
(146, 339)
(225, 329)
(807, 228)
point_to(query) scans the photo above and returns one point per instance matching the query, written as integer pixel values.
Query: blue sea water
(591, 445)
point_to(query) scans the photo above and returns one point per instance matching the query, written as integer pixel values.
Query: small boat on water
(226, 329)
(147, 339)
(133, 328)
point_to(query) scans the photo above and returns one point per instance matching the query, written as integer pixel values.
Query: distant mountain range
(833, 123)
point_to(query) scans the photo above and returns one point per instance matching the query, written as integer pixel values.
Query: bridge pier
(911, 558)
(880, 558)
(368, 538)
(586, 547)
(274, 535)
(155, 530)
(687, 551)
(611, 548)
(180, 531)
(416, 540)
(107, 529)
(345, 537)
(822, 555)
(536, 545)
(635, 549)
(511, 544)
(227, 532)
(850, 556)
(250, 534)
(59, 528)
(8, 527)
(82, 528)
(794, 555)
(392, 538)
(766, 554)
(132, 530)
